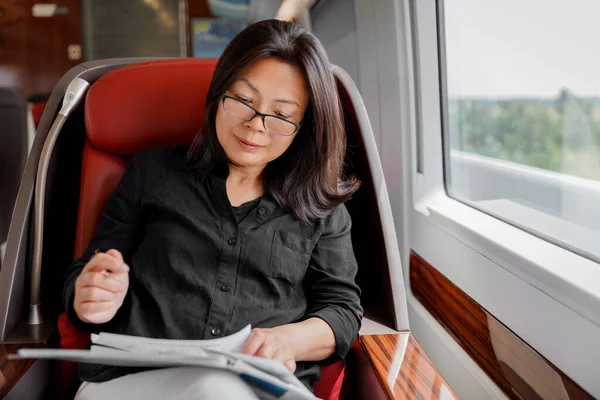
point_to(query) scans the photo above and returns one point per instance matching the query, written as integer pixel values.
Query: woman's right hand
(101, 287)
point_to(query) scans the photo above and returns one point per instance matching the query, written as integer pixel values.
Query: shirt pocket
(290, 256)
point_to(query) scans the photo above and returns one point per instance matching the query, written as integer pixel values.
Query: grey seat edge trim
(12, 274)
(389, 231)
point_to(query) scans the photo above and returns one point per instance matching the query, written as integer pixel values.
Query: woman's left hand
(272, 344)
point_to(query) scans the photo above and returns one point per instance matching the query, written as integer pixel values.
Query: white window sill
(370, 327)
(563, 275)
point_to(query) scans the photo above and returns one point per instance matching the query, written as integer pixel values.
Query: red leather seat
(129, 110)
(37, 110)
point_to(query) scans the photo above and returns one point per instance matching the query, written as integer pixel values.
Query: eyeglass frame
(262, 115)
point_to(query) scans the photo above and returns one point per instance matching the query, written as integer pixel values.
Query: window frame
(565, 276)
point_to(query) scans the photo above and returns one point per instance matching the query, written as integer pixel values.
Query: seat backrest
(373, 233)
(13, 153)
(160, 103)
(131, 109)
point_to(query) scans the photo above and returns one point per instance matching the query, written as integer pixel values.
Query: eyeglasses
(272, 123)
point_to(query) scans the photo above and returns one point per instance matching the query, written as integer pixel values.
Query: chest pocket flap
(290, 255)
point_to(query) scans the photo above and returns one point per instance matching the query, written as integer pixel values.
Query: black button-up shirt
(200, 268)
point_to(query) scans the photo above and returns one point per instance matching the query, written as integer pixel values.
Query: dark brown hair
(308, 178)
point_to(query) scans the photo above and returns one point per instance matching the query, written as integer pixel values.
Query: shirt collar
(266, 209)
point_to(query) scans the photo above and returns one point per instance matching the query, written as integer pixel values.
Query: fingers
(285, 358)
(268, 345)
(95, 287)
(254, 342)
(266, 351)
(94, 304)
(95, 307)
(101, 287)
(96, 312)
(110, 262)
(90, 293)
(115, 283)
(290, 364)
(116, 254)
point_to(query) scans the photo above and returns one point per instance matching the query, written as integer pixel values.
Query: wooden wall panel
(199, 9)
(518, 370)
(33, 51)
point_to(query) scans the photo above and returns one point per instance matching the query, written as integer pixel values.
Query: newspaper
(269, 378)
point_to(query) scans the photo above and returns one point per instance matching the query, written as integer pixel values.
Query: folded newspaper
(269, 379)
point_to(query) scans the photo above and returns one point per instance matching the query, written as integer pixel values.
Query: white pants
(170, 383)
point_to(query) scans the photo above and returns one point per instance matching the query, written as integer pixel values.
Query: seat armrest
(393, 366)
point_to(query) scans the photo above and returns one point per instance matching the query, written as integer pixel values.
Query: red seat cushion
(157, 103)
(330, 384)
(70, 338)
(37, 110)
(128, 110)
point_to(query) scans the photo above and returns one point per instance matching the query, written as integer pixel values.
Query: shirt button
(215, 331)
(262, 211)
(232, 241)
(225, 288)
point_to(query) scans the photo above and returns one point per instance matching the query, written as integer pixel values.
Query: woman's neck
(245, 175)
(244, 184)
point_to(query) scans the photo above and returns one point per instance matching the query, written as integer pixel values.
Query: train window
(521, 115)
(143, 28)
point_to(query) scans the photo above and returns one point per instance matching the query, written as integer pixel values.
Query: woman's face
(271, 87)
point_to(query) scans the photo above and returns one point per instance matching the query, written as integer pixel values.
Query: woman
(245, 226)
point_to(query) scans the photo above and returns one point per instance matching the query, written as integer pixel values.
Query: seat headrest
(157, 103)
